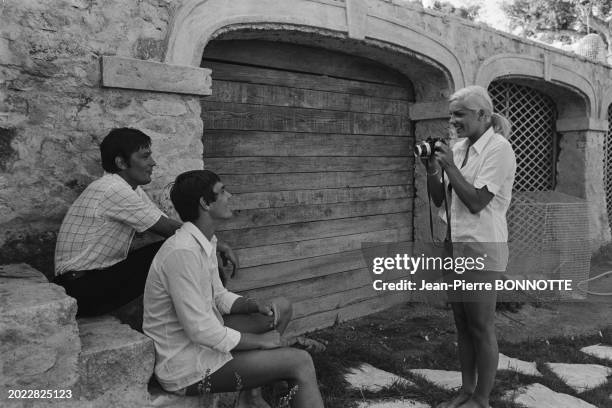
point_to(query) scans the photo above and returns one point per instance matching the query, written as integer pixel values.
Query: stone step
(39, 343)
(115, 363)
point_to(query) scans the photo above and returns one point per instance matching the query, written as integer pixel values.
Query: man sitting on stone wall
(197, 349)
(91, 255)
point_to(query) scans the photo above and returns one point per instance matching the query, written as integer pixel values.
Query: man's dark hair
(122, 142)
(187, 190)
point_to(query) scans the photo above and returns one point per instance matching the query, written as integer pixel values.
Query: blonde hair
(477, 98)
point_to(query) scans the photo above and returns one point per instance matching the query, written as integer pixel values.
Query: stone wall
(54, 113)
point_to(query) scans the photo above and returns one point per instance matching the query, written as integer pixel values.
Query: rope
(592, 279)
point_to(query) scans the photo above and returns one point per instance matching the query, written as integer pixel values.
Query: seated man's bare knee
(302, 365)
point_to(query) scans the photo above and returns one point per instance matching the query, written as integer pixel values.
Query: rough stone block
(116, 362)
(39, 342)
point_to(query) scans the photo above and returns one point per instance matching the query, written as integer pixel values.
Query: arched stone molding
(606, 101)
(579, 95)
(196, 22)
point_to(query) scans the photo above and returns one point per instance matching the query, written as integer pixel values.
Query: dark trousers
(101, 291)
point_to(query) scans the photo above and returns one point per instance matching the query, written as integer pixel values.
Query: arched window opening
(533, 115)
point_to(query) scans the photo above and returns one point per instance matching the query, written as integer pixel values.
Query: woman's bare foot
(473, 403)
(457, 401)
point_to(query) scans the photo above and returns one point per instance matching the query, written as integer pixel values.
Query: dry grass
(406, 337)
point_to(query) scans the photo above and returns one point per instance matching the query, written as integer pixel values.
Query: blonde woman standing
(479, 172)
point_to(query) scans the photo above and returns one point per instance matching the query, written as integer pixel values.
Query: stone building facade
(70, 70)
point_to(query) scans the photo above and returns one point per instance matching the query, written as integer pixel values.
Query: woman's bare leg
(467, 358)
(481, 317)
(480, 314)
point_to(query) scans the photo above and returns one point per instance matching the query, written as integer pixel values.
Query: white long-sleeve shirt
(183, 303)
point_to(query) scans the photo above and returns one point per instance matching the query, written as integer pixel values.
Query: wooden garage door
(316, 147)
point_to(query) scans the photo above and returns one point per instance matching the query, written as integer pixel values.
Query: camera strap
(446, 209)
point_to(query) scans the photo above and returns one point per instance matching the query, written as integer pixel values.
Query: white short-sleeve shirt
(491, 163)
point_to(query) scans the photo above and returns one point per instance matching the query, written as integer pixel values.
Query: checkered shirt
(99, 227)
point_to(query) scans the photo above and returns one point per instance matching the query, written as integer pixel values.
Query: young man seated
(207, 338)
(91, 255)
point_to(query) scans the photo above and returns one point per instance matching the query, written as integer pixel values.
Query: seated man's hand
(271, 340)
(269, 310)
(229, 254)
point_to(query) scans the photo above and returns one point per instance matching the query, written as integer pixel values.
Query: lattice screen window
(533, 116)
(608, 166)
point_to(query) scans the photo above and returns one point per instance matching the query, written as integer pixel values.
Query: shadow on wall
(35, 250)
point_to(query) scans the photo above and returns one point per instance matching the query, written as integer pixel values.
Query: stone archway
(198, 21)
(576, 96)
(579, 130)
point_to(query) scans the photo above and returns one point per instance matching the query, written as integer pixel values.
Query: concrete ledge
(577, 124)
(129, 73)
(113, 357)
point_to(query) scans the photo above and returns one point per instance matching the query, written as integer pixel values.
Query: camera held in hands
(427, 147)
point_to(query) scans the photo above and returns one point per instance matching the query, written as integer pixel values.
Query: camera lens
(422, 149)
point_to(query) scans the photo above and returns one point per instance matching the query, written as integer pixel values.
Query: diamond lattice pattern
(532, 115)
(608, 166)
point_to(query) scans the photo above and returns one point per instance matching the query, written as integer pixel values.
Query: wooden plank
(304, 59)
(316, 247)
(267, 164)
(224, 143)
(307, 306)
(309, 288)
(236, 116)
(314, 212)
(240, 92)
(330, 301)
(130, 73)
(299, 269)
(306, 289)
(255, 75)
(316, 229)
(247, 183)
(278, 199)
(351, 311)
